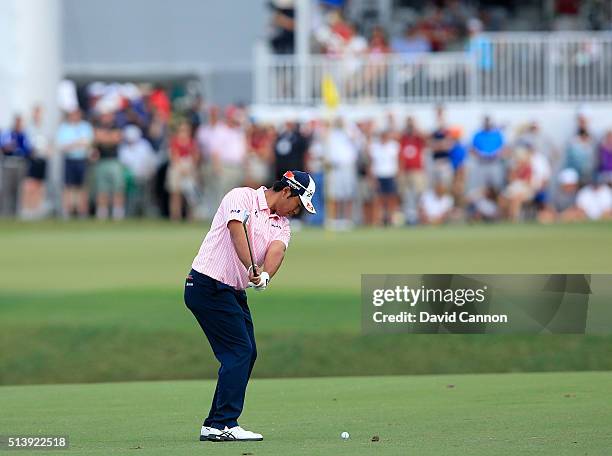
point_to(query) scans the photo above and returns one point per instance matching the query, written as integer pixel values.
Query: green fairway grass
(509, 414)
(90, 256)
(87, 301)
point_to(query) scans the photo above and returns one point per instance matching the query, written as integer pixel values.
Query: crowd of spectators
(371, 56)
(441, 26)
(433, 26)
(126, 150)
(400, 174)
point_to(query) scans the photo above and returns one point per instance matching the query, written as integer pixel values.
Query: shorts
(110, 177)
(518, 189)
(367, 189)
(341, 183)
(413, 181)
(442, 171)
(180, 175)
(386, 186)
(232, 176)
(75, 170)
(490, 173)
(37, 169)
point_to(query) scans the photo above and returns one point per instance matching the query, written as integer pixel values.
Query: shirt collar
(261, 201)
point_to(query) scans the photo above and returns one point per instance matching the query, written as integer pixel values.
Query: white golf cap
(303, 185)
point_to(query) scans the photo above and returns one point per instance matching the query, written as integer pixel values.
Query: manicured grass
(89, 302)
(89, 256)
(145, 335)
(84, 301)
(537, 414)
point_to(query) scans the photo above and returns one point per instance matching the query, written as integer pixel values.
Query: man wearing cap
(564, 202)
(220, 274)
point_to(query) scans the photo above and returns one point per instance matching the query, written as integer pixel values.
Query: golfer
(221, 272)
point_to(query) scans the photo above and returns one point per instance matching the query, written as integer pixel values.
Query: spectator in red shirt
(341, 29)
(180, 179)
(412, 177)
(159, 100)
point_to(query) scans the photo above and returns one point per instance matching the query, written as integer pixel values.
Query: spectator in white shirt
(436, 204)
(341, 156)
(385, 166)
(137, 155)
(595, 201)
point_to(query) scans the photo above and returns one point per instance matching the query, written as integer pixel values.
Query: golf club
(244, 222)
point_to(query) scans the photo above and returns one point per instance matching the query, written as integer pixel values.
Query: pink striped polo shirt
(217, 257)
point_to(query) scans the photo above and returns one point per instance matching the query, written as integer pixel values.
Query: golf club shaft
(250, 251)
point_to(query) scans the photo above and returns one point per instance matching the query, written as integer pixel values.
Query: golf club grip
(250, 251)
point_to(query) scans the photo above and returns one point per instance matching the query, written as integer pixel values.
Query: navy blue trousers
(225, 318)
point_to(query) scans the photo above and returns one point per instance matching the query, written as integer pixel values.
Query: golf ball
(345, 435)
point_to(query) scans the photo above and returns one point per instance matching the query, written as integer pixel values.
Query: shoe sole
(210, 438)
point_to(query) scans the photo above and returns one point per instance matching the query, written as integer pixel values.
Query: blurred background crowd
(128, 150)
(134, 146)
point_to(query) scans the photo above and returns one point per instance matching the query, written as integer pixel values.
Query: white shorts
(341, 184)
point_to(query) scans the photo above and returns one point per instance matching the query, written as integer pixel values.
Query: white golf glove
(264, 280)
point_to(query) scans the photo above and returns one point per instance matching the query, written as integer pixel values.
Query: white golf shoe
(229, 434)
(204, 433)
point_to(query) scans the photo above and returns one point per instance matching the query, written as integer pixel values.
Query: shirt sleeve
(235, 204)
(284, 235)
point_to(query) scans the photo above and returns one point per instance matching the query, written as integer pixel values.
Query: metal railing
(514, 67)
